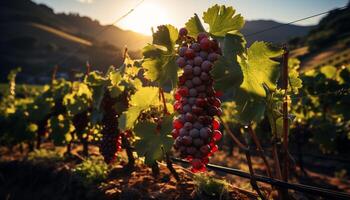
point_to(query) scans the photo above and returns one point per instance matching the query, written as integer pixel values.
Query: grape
(202, 95)
(198, 142)
(196, 109)
(189, 54)
(189, 117)
(204, 76)
(212, 57)
(183, 32)
(195, 129)
(205, 44)
(186, 108)
(175, 133)
(194, 133)
(190, 62)
(201, 102)
(181, 62)
(188, 125)
(189, 84)
(201, 88)
(197, 125)
(205, 149)
(188, 69)
(191, 150)
(196, 47)
(186, 140)
(201, 36)
(198, 61)
(193, 92)
(182, 51)
(183, 132)
(206, 66)
(196, 81)
(203, 55)
(192, 100)
(197, 71)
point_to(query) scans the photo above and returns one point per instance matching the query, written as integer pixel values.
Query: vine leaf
(153, 139)
(295, 82)
(166, 36)
(222, 19)
(258, 70)
(329, 71)
(78, 100)
(60, 129)
(226, 71)
(140, 101)
(194, 26)
(159, 57)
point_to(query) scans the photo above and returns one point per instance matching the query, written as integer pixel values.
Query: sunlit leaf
(222, 19)
(258, 69)
(194, 26)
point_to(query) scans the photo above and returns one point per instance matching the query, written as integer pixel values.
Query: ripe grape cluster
(195, 130)
(111, 139)
(80, 122)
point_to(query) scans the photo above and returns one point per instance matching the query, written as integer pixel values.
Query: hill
(280, 35)
(36, 38)
(327, 43)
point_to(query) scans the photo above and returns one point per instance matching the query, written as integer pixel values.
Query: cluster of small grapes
(195, 129)
(111, 139)
(80, 122)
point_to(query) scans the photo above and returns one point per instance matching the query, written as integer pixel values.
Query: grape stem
(169, 165)
(260, 149)
(129, 152)
(165, 109)
(246, 149)
(234, 138)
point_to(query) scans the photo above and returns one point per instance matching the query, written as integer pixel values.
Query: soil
(22, 179)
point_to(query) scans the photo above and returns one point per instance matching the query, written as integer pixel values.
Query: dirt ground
(22, 179)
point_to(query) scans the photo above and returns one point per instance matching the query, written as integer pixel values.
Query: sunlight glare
(144, 17)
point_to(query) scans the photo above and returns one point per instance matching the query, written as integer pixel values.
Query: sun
(144, 17)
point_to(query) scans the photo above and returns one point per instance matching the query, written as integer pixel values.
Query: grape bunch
(195, 130)
(111, 139)
(80, 122)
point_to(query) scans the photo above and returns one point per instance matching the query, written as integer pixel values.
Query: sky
(151, 13)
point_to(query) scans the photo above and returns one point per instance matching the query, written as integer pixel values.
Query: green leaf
(194, 26)
(153, 140)
(329, 71)
(222, 19)
(115, 77)
(166, 36)
(140, 101)
(295, 83)
(60, 129)
(258, 69)
(163, 70)
(226, 71)
(159, 58)
(78, 100)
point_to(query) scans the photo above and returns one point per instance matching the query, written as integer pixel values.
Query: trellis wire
(282, 184)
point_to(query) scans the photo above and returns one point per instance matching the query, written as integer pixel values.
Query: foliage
(45, 155)
(211, 187)
(92, 170)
